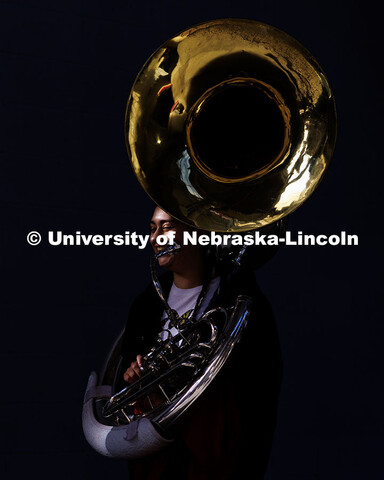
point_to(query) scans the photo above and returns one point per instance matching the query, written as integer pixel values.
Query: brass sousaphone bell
(229, 127)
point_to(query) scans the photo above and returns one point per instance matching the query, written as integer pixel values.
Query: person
(227, 433)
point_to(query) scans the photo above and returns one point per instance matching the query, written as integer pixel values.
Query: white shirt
(183, 301)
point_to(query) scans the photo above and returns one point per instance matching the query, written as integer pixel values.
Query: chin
(166, 262)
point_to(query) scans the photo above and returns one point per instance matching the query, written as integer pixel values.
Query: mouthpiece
(171, 249)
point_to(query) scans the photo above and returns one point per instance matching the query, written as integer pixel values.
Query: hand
(152, 399)
(133, 373)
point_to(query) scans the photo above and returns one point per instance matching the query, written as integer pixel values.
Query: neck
(188, 280)
(190, 269)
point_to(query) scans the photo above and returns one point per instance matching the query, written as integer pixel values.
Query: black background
(66, 69)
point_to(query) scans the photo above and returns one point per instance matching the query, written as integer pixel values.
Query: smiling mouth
(161, 252)
(170, 250)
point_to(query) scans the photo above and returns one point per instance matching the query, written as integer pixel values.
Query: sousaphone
(230, 126)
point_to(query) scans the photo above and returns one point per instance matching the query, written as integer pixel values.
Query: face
(163, 224)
